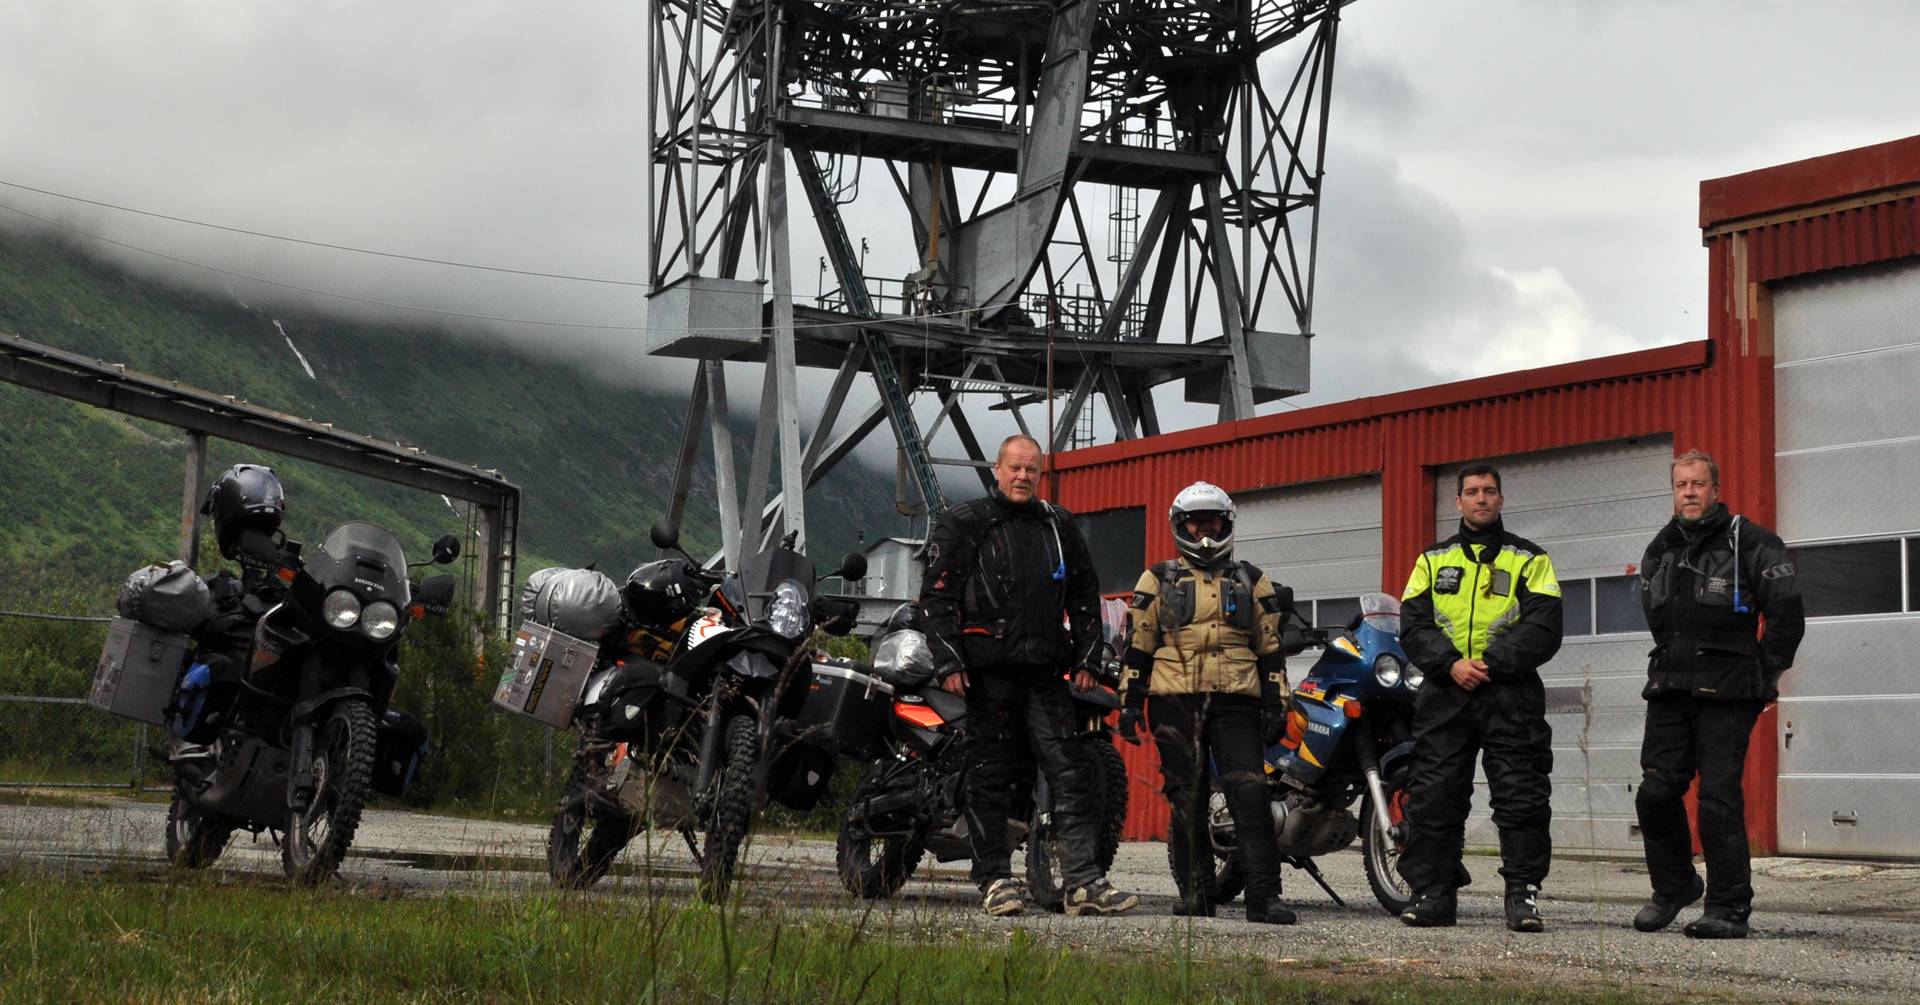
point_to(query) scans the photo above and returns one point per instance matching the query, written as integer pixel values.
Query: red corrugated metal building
(1843, 210)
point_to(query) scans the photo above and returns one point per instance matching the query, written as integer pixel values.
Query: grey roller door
(1847, 432)
(1322, 539)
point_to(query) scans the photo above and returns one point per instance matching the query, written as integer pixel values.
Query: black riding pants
(1002, 704)
(1687, 736)
(1194, 731)
(1506, 723)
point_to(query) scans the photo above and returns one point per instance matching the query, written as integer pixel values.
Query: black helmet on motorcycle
(907, 616)
(246, 497)
(661, 592)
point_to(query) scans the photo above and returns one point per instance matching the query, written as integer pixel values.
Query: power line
(395, 305)
(325, 244)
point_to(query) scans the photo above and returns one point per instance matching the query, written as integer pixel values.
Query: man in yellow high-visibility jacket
(1481, 613)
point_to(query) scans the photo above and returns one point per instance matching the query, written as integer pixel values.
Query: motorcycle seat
(952, 707)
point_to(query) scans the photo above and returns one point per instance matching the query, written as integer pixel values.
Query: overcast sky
(1510, 184)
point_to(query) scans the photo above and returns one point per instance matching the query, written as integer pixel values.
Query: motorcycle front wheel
(194, 838)
(874, 867)
(317, 839)
(732, 805)
(1381, 851)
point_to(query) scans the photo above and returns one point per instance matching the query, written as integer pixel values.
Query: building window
(1616, 606)
(1576, 607)
(1118, 540)
(1858, 577)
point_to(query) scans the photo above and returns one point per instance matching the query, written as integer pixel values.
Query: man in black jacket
(1003, 573)
(1706, 582)
(1480, 615)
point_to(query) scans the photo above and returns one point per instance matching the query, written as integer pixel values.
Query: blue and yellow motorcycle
(1340, 771)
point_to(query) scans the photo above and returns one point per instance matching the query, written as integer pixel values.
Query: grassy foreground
(199, 941)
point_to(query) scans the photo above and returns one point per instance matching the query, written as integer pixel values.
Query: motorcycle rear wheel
(1381, 852)
(581, 846)
(194, 838)
(317, 839)
(1045, 883)
(732, 807)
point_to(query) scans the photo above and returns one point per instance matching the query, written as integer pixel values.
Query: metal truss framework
(203, 413)
(1002, 126)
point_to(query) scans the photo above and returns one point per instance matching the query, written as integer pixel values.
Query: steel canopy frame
(1013, 110)
(203, 413)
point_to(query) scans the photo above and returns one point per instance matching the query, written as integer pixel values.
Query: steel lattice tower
(995, 123)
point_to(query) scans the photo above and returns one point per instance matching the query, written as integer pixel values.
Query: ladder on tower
(1123, 225)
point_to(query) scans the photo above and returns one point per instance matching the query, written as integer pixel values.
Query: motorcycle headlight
(903, 657)
(380, 620)
(1414, 677)
(1386, 670)
(787, 614)
(341, 609)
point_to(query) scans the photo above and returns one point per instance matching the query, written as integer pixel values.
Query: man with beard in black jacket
(1003, 573)
(1706, 582)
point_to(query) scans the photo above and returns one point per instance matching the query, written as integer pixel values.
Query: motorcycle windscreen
(366, 558)
(762, 573)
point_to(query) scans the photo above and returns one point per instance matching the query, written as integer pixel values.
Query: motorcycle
(913, 799)
(689, 730)
(1349, 739)
(302, 741)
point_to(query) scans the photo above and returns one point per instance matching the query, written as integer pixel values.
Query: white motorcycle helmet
(1202, 497)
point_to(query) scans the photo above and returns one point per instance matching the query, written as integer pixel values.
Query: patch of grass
(200, 940)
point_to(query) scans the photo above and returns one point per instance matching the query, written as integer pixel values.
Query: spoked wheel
(874, 867)
(195, 838)
(1381, 851)
(1113, 787)
(318, 838)
(732, 807)
(581, 845)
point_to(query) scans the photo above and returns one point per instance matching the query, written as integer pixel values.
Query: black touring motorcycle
(297, 744)
(690, 716)
(913, 799)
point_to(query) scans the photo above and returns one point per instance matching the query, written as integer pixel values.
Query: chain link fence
(50, 737)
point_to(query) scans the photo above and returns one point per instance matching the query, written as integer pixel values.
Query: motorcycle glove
(1275, 698)
(1133, 693)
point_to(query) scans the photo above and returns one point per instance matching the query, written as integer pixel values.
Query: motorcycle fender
(753, 665)
(1400, 756)
(311, 709)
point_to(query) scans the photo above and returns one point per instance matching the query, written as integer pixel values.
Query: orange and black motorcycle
(912, 801)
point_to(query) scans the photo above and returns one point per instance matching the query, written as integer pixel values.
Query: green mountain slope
(86, 494)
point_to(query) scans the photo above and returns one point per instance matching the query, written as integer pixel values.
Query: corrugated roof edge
(1514, 383)
(1810, 182)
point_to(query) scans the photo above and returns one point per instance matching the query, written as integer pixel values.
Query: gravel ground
(1824, 930)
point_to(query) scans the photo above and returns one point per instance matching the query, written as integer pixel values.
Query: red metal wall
(1844, 210)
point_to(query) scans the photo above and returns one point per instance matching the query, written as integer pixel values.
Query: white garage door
(1847, 432)
(1593, 509)
(1321, 539)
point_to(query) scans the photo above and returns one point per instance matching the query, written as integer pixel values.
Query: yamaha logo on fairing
(1321, 728)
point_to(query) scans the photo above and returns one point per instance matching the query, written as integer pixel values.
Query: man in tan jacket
(1205, 644)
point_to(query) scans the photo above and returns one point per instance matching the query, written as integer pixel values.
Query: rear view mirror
(446, 549)
(1284, 594)
(665, 534)
(854, 566)
(436, 594)
(836, 615)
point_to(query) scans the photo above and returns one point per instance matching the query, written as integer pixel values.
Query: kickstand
(686, 834)
(1306, 865)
